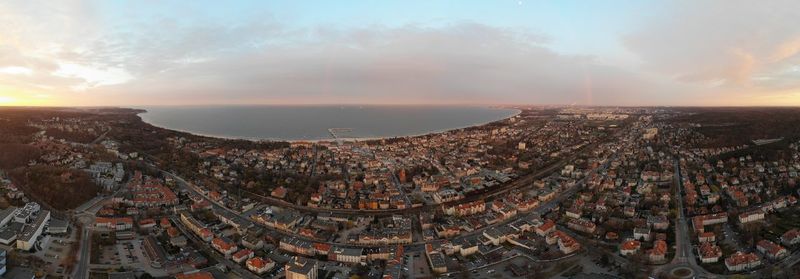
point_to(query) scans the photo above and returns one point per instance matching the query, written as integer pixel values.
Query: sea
(314, 123)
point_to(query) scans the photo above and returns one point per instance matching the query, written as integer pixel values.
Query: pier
(336, 133)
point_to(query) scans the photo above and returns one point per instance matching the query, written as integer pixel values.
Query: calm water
(313, 122)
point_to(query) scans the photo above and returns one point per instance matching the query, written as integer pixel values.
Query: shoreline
(516, 112)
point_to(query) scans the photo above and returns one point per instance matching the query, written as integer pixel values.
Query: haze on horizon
(134, 53)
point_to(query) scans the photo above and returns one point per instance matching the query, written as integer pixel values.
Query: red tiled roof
(258, 262)
(740, 258)
(631, 245)
(242, 253)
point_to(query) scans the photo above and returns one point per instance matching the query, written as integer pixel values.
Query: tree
(57, 187)
(634, 266)
(604, 260)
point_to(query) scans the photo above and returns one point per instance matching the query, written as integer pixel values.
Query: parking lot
(53, 250)
(130, 253)
(108, 255)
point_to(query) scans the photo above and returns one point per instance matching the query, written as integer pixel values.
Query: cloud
(459, 63)
(78, 53)
(735, 45)
(33, 33)
(11, 56)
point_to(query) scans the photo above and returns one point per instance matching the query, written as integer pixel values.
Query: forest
(57, 187)
(727, 127)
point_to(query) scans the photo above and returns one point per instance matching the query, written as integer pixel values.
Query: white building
(347, 255)
(260, 265)
(24, 215)
(742, 261)
(7, 215)
(31, 232)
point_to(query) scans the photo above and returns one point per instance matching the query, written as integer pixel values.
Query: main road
(192, 188)
(85, 215)
(237, 269)
(82, 270)
(518, 183)
(684, 252)
(524, 181)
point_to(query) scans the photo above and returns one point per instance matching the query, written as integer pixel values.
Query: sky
(148, 52)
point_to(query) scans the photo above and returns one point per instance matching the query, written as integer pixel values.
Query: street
(82, 269)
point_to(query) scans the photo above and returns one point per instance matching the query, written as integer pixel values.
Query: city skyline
(96, 53)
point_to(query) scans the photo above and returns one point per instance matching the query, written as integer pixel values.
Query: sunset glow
(7, 100)
(93, 53)
(21, 98)
(400, 139)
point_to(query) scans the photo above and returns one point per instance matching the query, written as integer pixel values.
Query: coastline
(516, 112)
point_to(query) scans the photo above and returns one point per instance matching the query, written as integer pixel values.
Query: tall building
(301, 268)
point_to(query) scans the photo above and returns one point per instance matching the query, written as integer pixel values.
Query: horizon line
(399, 104)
